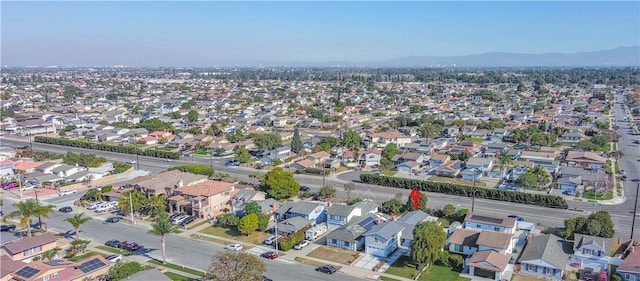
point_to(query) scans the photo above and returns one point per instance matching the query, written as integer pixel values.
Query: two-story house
(488, 264)
(490, 222)
(483, 164)
(204, 199)
(370, 157)
(591, 250)
(585, 159)
(340, 214)
(350, 236)
(438, 160)
(30, 247)
(383, 239)
(544, 256)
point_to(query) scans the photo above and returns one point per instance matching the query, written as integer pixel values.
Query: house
(149, 274)
(303, 164)
(591, 250)
(471, 174)
(30, 247)
(292, 225)
(383, 138)
(315, 212)
(341, 214)
(370, 157)
(409, 156)
(438, 160)
(92, 268)
(244, 196)
(65, 170)
(463, 241)
(408, 222)
(585, 159)
(383, 239)
(488, 264)
(483, 164)
(318, 157)
(350, 236)
(449, 169)
(490, 222)
(544, 256)
(630, 267)
(202, 200)
(467, 241)
(164, 183)
(409, 167)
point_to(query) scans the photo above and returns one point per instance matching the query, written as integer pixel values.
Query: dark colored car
(305, 188)
(518, 218)
(265, 278)
(129, 246)
(330, 269)
(113, 243)
(66, 209)
(624, 178)
(7, 227)
(270, 255)
(112, 219)
(175, 215)
(187, 221)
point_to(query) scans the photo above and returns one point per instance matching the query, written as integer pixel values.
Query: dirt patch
(334, 254)
(524, 277)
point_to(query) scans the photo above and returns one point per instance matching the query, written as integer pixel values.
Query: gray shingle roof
(386, 230)
(546, 247)
(340, 210)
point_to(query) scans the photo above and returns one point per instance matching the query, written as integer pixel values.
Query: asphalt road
(180, 250)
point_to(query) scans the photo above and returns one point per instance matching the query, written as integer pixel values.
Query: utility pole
(635, 209)
(38, 204)
(131, 205)
(473, 200)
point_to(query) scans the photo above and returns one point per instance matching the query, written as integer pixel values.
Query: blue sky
(209, 33)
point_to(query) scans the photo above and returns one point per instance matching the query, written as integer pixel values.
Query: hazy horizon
(216, 33)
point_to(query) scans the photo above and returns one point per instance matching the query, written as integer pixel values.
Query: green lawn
(202, 152)
(178, 277)
(605, 148)
(403, 267)
(83, 256)
(590, 194)
(387, 172)
(178, 267)
(114, 250)
(387, 279)
(198, 224)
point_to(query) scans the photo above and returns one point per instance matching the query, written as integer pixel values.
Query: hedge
(288, 242)
(318, 171)
(128, 149)
(548, 201)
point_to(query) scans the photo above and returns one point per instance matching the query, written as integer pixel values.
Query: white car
(234, 247)
(168, 160)
(114, 258)
(131, 162)
(67, 192)
(301, 244)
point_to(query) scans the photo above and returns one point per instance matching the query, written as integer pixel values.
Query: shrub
(463, 190)
(288, 242)
(228, 220)
(107, 188)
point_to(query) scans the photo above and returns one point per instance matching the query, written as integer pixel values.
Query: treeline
(129, 149)
(467, 191)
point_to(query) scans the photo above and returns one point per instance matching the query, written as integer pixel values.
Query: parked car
(94, 205)
(265, 278)
(624, 178)
(301, 244)
(234, 247)
(68, 192)
(114, 258)
(622, 172)
(175, 215)
(112, 243)
(187, 220)
(270, 255)
(112, 219)
(131, 162)
(270, 240)
(66, 209)
(330, 269)
(168, 160)
(129, 246)
(569, 192)
(518, 218)
(179, 219)
(7, 227)
(10, 185)
(305, 188)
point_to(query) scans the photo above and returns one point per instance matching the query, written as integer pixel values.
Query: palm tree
(76, 221)
(428, 130)
(504, 160)
(162, 227)
(50, 254)
(156, 205)
(27, 209)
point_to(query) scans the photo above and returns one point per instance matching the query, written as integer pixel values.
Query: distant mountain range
(623, 56)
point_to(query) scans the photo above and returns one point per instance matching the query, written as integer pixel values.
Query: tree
(227, 220)
(79, 245)
(51, 254)
(27, 209)
(162, 227)
(392, 207)
(527, 180)
(252, 208)
(242, 154)
(248, 224)
(459, 123)
(76, 221)
(390, 150)
(296, 142)
(156, 205)
(327, 192)
(428, 130)
(93, 195)
(348, 188)
(279, 184)
(351, 139)
(137, 198)
(422, 203)
(192, 116)
(448, 210)
(122, 270)
(599, 140)
(235, 266)
(504, 160)
(267, 141)
(429, 239)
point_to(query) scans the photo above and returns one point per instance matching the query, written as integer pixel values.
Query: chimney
(377, 221)
(528, 238)
(180, 183)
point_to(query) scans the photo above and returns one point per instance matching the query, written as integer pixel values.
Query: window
(54, 275)
(46, 278)
(457, 247)
(375, 240)
(33, 250)
(496, 228)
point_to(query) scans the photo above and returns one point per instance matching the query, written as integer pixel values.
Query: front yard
(404, 267)
(334, 254)
(456, 181)
(233, 233)
(598, 196)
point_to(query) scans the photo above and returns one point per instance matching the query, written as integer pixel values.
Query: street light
(131, 205)
(473, 200)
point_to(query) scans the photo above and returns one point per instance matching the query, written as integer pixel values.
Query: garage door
(380, 252)
(483, 273)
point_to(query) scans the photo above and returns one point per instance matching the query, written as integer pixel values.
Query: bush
(107, 188)
(36, 258)
(288, 242)
(195, 169)
(128, 149)
(228, 220)
(549, 201)
(123, 270)
(317, 171)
